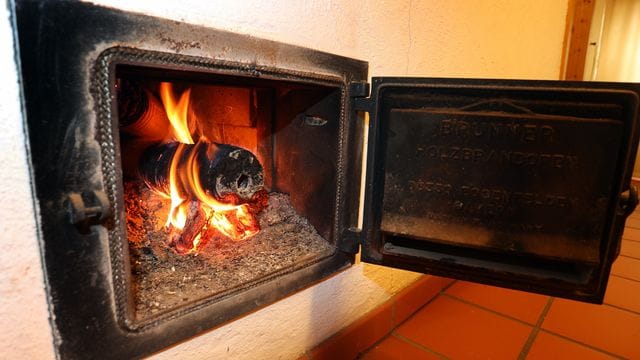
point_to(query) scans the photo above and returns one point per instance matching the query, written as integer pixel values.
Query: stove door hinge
(351, 240)
(359, 92)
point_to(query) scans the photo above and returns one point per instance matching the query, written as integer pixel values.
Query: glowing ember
(191, 206)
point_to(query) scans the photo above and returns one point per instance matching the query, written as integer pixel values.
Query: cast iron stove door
(521, 184)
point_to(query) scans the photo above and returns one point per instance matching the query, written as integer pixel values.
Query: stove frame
(75, 154)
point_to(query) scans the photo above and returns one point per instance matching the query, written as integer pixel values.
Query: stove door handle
(88, 208)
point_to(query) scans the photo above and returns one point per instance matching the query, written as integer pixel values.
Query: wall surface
(619, 57)
(24, 317)
(437, 38)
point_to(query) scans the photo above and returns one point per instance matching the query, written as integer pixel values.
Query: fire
(177, 112)
(231, 219)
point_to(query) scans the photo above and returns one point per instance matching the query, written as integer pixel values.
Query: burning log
(188, 238)
(223, 170)
(214, 189)
(203, 224)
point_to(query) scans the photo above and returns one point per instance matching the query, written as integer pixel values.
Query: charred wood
(223, 170)
(183, 241)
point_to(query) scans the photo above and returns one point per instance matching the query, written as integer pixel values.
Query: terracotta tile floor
(470, 321)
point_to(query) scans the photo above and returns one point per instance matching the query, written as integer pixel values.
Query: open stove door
(520, 184)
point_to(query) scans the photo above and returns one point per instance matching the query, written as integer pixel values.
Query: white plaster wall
(489, 38)
(24, 323)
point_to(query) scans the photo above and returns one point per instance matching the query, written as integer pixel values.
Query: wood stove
(200, 222)
(521, 184)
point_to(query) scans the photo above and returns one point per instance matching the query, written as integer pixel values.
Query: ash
(163, 280)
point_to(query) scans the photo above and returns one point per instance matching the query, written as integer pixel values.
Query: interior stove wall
(490, 38)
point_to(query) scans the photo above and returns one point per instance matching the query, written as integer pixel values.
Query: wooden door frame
(576, 38)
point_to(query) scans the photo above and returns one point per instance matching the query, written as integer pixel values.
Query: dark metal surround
(68, 53)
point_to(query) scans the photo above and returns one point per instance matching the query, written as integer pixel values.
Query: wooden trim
(576, 41)
(571, 4)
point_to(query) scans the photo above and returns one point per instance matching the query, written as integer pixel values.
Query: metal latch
(88, 208)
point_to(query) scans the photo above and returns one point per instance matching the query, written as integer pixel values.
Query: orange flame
(178, 213)
(236, 222)
(177, 112)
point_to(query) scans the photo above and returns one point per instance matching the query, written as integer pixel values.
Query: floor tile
(357, 337)
(626, 267)
(636, 213)
(630, 249)
(520, 305)
(623, 293)
(631, 234)
(393, 348)
(547, 346)
(632, 222)
(604, 327)
(458, 330)
(416, 295)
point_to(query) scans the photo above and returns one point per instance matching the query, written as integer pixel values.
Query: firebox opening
(226, 183)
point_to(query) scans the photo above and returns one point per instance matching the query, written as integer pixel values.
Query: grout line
(418, 345)
(393, 312)
(487, 309)
(536, 329)
(630, 256)
(621, 308)
(341, 332)
(621, 255)
(362, 353)
(441, 292)
(448, 286)
(582, 344)
(392, 330)
(624, 277)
